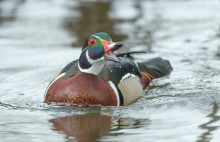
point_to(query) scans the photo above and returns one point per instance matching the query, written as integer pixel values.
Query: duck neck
(90, 66)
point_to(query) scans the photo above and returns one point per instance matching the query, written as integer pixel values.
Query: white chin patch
(91, 61)
(96, 67)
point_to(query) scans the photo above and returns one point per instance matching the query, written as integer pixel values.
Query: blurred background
(39, 37)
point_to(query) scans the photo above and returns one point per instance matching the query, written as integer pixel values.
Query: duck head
(97, 50)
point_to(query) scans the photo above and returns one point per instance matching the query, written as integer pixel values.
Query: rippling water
(38, 38)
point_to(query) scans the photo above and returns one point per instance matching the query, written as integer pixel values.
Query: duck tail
(153, 69)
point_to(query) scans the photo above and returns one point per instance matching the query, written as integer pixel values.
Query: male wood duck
(100, 77)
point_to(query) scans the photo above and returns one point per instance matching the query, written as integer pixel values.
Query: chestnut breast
(82, 88)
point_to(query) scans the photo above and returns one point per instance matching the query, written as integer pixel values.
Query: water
(38, 38)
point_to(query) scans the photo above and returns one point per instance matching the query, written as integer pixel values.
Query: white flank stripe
(137, 66)
(128, 75)
(125, 77)
(116, 91)
(61, 75)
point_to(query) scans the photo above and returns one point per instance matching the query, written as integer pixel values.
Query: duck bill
(109, 47)
(111, 57)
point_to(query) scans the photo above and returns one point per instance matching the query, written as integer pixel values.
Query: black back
(114, 71)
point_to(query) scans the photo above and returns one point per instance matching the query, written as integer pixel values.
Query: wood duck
(100, 77)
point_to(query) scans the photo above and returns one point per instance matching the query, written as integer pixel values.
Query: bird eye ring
(92, 41)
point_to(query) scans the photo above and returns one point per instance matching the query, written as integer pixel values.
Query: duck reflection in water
(84, 128)
(93, 126)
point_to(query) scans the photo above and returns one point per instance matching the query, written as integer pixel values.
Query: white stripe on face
(96, 65)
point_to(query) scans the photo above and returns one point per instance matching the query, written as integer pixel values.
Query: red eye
(92, 41)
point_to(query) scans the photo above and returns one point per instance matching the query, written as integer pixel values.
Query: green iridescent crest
(103, 35)
(97, 37)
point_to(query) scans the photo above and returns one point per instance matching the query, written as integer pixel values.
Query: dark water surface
(39, 37)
